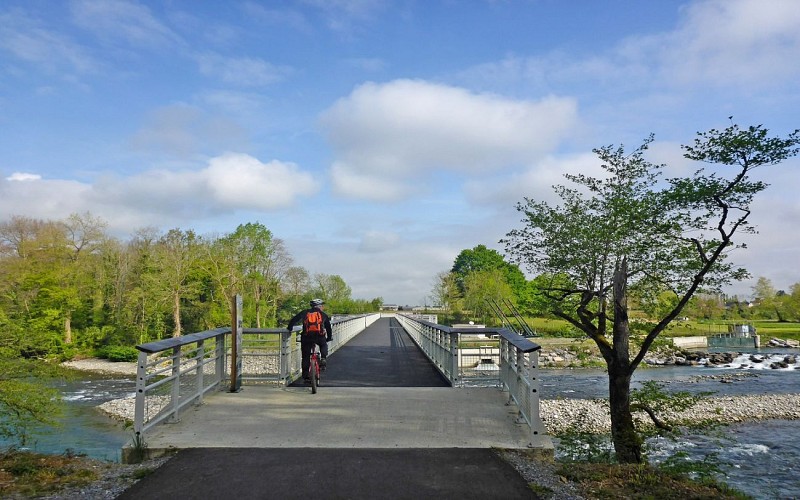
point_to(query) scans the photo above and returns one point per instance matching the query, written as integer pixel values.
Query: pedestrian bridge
(393, 381)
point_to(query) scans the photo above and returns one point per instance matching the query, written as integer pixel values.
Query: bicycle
(314, 368)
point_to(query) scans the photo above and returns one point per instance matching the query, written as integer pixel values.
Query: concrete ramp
(386, 417)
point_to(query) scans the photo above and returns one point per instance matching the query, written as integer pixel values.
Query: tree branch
(658, 423)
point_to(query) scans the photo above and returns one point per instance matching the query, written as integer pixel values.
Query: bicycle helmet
(317, 302)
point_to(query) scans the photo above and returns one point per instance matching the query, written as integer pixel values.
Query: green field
(557, 328)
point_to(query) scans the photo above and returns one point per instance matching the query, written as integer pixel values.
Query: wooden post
(236, 344)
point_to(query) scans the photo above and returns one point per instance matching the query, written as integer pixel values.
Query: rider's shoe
(323, 363)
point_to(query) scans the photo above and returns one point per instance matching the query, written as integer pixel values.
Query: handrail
(176, 372)
(518, 360)
(159, 377)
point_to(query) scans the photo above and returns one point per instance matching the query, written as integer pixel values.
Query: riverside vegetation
(591, 476)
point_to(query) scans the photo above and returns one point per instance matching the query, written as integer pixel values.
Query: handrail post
(536, 424)
(219, 365)
(285, 354)
(141, 395)
(454, 370)
(199, 368)
(176, 383)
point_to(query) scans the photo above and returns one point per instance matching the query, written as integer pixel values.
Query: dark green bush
(118, 353)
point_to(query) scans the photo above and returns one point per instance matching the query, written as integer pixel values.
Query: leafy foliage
(25, 398)
(627, 234)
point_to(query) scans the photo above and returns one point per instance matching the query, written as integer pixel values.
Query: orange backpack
(312, 324)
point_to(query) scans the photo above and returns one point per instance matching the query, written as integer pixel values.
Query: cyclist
(316, 330)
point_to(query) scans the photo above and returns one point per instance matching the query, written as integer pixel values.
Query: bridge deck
(378, 392)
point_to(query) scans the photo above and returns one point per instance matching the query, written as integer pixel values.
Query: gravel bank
(102, 366)
(587, 415)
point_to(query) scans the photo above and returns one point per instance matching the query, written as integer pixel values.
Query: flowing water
(759, 458)
(82, 428)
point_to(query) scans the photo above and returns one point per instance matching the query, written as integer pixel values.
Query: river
(759, 458)
(82, 428)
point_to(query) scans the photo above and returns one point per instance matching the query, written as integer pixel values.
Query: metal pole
(236, 344)
(141, 396)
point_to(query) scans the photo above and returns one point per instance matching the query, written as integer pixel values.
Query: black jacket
(299, 317)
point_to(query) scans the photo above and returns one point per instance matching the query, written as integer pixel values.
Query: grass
(26, 474)
(605, 481)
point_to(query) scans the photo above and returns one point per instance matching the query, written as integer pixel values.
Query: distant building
(389, 307)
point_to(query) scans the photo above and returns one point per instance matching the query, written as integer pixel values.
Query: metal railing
(512, 365)
(177, 372)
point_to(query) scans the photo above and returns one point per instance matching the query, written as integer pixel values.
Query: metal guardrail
(517, 363)
(177, 372)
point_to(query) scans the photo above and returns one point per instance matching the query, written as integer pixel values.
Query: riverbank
(558, 415)
(105, 366)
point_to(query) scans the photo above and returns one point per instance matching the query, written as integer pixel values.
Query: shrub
(118, 353)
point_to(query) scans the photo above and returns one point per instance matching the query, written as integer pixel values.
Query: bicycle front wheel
(314, 369)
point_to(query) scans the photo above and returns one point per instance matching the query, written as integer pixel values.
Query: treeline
(481, 276)
(68, 286)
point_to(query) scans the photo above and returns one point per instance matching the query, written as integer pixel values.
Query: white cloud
(390, 134)
(23, 177)
(378, 241)
(349, 181)
(30, 41)
(120, 19)
(241, 71)
(241, 181)
(44, 199)
(725, 41)
(183, 131)
(536, 182)
(227, 184)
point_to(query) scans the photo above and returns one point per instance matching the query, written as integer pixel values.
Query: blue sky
(376, 138)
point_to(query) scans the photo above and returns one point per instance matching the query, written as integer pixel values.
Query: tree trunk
(176, 315)
(627, 444)
(68, 329)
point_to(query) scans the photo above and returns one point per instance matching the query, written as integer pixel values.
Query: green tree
(332, 289)
(482, 258)
(770, 303)
(261, 260)
(175, 259)
(483, 290)
(446, 293)
(25, 399)
(621, 234)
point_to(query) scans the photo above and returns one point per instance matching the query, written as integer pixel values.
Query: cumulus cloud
(723, 41)
(227, 184)
(386, 135)
(536, 182)
(22, 177)
(241, 181)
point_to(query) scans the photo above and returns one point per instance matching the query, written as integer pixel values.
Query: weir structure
(236, 386)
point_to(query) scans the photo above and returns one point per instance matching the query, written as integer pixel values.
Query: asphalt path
(330, 473)
(383, 355)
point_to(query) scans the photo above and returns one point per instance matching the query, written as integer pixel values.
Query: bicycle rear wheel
(314, 372)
